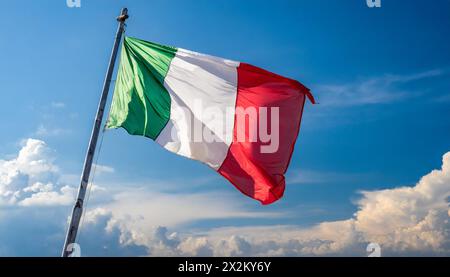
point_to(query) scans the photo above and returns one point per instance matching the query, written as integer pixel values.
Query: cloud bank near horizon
(410, 220)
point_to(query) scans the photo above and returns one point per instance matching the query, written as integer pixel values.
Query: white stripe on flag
(197, 82)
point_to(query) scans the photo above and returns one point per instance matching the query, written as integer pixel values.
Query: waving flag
(240, 120)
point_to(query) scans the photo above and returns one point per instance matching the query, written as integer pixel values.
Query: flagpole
(78, 207)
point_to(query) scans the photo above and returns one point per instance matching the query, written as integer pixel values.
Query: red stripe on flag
(261, 175)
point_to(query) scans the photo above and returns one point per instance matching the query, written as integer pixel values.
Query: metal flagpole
(78, 208)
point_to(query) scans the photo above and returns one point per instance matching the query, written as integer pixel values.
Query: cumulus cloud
(404, 221)
(140, 220)
(410, 218)
(135, 212)
(31, 178)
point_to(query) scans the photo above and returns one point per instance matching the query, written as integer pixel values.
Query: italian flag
(201, 107)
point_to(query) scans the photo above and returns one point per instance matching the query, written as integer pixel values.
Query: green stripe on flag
(141, 104)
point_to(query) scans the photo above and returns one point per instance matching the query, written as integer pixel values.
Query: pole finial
(123, 15)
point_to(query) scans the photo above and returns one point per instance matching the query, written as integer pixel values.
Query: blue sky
(381, 77)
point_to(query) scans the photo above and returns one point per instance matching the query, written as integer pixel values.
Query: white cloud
(64, 196)
(144, 220)
(410, 218)
(136, 211)
(404, 221)
(376, 90)
(31, 178)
